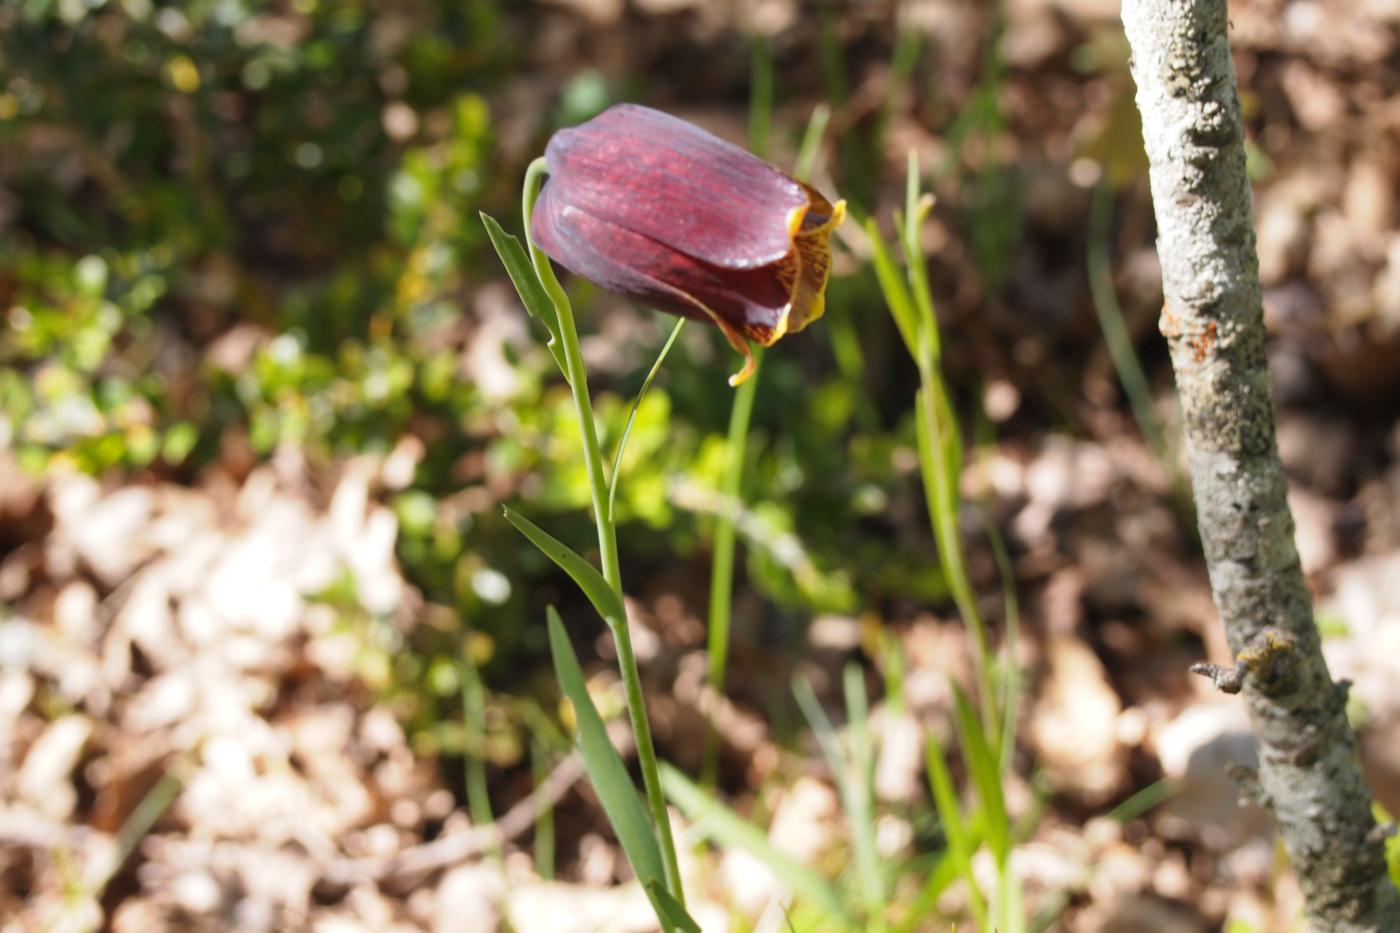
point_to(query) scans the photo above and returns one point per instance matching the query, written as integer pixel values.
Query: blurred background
(271, 658)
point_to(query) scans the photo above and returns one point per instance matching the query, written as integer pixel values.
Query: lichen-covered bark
(1213, 320)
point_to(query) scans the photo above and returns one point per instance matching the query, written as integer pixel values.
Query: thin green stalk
(157, 800)
(860, 797)
(1143, 800)
(811, 141)
(916, 209)
(935, 430)
(544, 823)
(1115, 331)
(607, 536)
(1121, 351)
(474, 748)
(722, 565)
(1010, 674)
(736, 442)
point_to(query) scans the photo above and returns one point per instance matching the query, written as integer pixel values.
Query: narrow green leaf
(1051, 907)
(1139, 803)
(949, 439)
(142, 819)
(603, 597)
(858, 714)
(811, 141)
(670, 909)
(730, 829)
(606, 771)
(1115, 331)
(527, 284)
(986, 776)
(632, 416)
(916, 208)
(544, 818)
(854, 778)
(1009, 672)
(912, 214)
(474, 722)
(940, 459)
(857, 790)
(1392, 858)
(895, 291)
(961, 843)
(945, 798)
(891, 666)
(827, 739)
(932, 471)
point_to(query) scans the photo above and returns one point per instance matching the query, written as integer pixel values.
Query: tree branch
(1213, 321)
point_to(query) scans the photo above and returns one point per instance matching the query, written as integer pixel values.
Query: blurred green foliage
(238, 226)
(184, 167)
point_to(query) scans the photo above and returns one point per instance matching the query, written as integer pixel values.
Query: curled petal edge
(807, 265)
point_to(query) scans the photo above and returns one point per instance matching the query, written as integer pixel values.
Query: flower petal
(812, 248)
(752, 303)
(658, 176)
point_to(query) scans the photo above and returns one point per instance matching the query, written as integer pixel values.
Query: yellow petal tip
(742, 376)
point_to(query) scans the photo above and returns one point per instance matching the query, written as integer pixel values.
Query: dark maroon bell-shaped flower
(660, 211)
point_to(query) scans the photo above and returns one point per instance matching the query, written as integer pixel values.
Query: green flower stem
(607, 536)
(722, 563)
(474, 753)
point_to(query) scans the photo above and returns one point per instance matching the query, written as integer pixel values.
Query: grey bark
(1213, 320)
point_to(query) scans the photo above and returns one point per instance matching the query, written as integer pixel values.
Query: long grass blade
(544, 821)
(858, 791)
(1143, 800)
(986, 777)
(901, 305)
(473, 754)
(961, 843)
(916, 208)
(669, 909)
(606, 772)
(729, 829)
(811, 142)
(822, 729)
(1010, 673)
(936, 460)
(1115, 330)
(141, 821)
